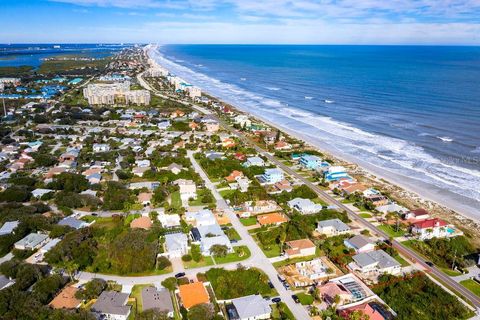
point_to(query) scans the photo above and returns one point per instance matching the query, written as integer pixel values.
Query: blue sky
(242, 21)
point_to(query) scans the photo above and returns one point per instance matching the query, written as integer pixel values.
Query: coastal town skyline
(242, 22)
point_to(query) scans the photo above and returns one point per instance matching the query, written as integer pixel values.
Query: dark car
(286, 285)
(270, 284)
(276, 300)
(428, 263)
(295, 298)
(180, 274)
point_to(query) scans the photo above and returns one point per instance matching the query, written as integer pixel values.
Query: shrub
(187, 258)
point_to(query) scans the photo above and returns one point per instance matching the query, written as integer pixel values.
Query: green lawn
(274, 251)
(241, 253)
(248, 221)
(281, 311)
(176, 201)
(471, 285)
(400, 260)
(305, 299)
(365, 215)
(206, 261)
(391, 231)
(450, 272)
(226, 193)
(232, 234)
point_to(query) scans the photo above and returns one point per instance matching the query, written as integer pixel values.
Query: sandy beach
(409, 192)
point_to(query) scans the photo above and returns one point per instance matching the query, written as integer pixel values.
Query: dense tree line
(417, 297)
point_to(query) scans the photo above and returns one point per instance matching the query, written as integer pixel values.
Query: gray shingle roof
(156, 299)
(336, 223)
(378, 256)
(112, 302)
(359, 241)
(251, 306)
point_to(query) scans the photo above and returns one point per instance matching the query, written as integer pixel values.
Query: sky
(425, 22)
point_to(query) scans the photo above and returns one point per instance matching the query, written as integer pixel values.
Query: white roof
(8, 227)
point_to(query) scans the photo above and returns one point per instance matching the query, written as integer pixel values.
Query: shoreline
(410, 194)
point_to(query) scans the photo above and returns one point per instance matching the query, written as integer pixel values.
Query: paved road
(258, 258)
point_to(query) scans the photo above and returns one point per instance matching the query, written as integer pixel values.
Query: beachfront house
(111, 305)
(312, 162)
(376, 262)
(272, 176)
(304, 206)
(335, 173)
(332, 227)
(431, 228)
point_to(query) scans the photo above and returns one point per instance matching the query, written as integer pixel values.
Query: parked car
(276, 300)
(180, 274)
(286, 285)
(295, 298)
(281, 278)
(429, 263)
(270, 284)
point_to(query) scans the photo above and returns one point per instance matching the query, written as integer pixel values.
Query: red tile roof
(430, 223)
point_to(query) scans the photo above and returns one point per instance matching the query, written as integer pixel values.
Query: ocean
(408, 113)
(15, 55)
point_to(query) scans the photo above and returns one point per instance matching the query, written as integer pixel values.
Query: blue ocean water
(411, 110)
(14, 55)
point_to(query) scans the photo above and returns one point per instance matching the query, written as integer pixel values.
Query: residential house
(304, 206)
(150, 185)
(282, 145)
(160, 300)
(8, 227)
(176, 244)
(271, 219)
(208, 232)
(38, 193)
(73, 222)
(175, 168)
(242, 120)
(111, 305)
(300, 248)
(430, 228)
(252, 307)
(377, 200)
(281, 186)
(377, 262)
(143, 222)
(417, 214)
(272, 176)
(66, 299)
(5, 282)
(332, 291)
(169, 220)
(234, 175)
(360, 244)
(228, 143)
(332, 227)
(212, 126)
(31, 241)
(391, 207)
(145, 198)
(100, 147)
(335, 173)
(188, 189)
(370, 311)
(193, 294)
(312, 162)
(254, 161)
